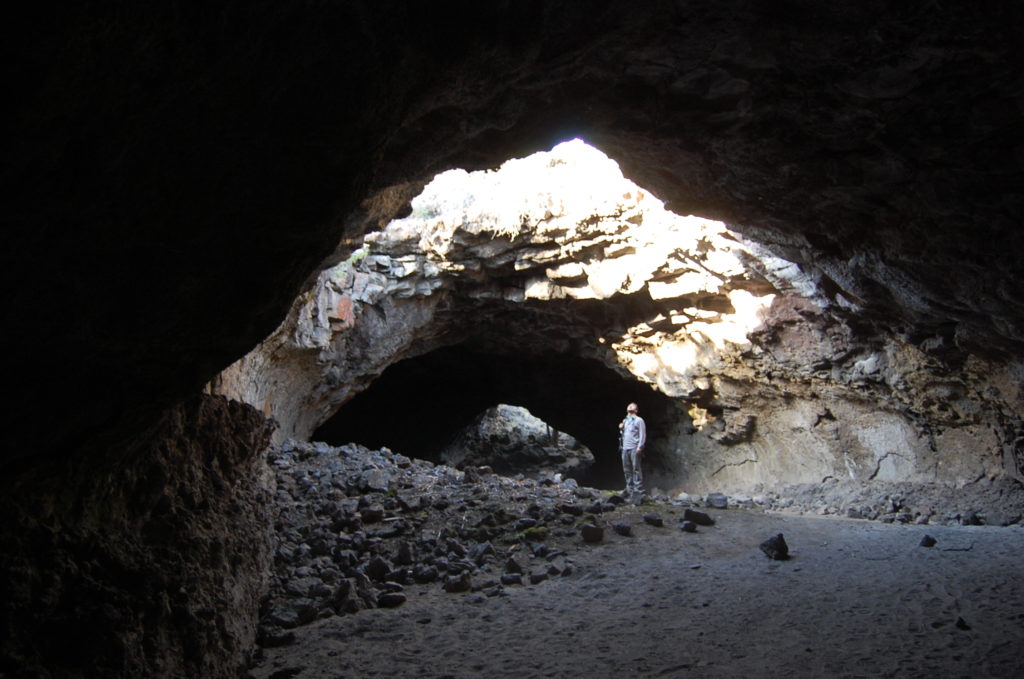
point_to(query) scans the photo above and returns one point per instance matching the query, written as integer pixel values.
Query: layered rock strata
(783, 382)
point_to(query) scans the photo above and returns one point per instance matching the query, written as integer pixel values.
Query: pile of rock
(358, 527)
(995, 503)
(511, 440)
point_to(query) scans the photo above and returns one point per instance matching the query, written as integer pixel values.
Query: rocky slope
(512, 441)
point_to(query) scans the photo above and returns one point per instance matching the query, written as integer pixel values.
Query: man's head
(632, 409)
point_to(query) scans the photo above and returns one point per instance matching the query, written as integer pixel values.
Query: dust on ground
(856, 599)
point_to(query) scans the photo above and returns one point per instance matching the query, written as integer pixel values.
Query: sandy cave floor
(856, 599)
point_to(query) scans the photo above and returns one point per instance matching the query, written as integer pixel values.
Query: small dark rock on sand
(688, 527)
(776, 548)
(623, 529)
(928, 541)
(591, 533)
(653, 520)
(698, 517)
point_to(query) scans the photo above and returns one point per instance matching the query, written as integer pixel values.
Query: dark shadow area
(418, 405)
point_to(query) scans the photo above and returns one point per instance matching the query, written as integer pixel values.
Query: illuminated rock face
(773, 383)
(510, 440)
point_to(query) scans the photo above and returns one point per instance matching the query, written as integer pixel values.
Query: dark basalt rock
(653, 520)
(776, 548)
(512, 579)
(698, 517)
(591, 533)
(391, 599)
(458, 583)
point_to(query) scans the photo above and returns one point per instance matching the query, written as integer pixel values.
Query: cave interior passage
(418, 405)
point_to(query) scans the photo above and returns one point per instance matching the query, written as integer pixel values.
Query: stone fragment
(571, 508)
(538, 577)
(928, 541)
(513, 566)
(776, 548)
(479, 552)
(698, 517)
(404, 554)
(390, 599)
(688, 527)
(372, 513)
(375, 480)
(623, 529)
(511, 579)
(456, 550)
(717, 500)
(290, 613)
(458, 583)
(377, 568)
(653, 520)
(591, 532)
(425, 573)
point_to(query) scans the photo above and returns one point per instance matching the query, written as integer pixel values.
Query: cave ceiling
(177, 179)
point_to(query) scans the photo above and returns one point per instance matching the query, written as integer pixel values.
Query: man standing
(633, 433)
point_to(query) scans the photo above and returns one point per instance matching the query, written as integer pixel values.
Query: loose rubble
(511, 440)
(360, 528)
(991, 503)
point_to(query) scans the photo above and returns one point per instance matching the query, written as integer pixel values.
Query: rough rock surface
(781, 381)
(510, 440)
(145, 563)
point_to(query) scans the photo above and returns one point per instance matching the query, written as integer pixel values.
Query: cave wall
(811, 399)
(145, 562)
(789, 383)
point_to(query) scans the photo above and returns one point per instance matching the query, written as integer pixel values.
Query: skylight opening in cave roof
(565, 201)
(569, 185)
